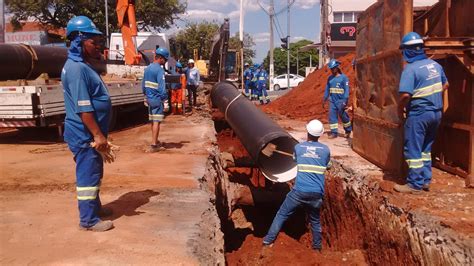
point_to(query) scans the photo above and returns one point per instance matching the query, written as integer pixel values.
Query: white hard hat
(315, 128)
(191, 61)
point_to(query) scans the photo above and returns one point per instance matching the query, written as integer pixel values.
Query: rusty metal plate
(378, 134)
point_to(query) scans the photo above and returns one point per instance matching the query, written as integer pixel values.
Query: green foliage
(249, 50)
(197, 36)
(150, 14)
(280, 58)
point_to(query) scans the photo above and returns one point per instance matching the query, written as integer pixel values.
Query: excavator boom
(128, 26)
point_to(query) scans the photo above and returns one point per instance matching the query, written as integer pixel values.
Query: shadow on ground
(127, 204)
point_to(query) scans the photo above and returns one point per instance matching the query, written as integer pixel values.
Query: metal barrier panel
(378, 134)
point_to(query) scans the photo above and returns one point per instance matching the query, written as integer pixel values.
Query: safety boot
(332, 136)
(406, 189)
(347, 135)
(101, 226)
(426, 187)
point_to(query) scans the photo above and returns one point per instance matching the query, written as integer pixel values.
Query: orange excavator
(128, 25)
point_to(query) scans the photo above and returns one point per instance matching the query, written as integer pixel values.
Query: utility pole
(297, 61)
(323, 51)
(271, 13)
(241, 38)
(2, 21)
(288, 51)
(107, 23)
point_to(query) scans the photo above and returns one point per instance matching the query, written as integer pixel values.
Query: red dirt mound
(305, 102)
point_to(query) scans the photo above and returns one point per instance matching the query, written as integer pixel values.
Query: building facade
(342, 17)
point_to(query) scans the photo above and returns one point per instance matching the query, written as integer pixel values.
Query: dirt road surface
(160, 213)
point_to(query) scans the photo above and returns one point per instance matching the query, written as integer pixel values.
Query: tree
(280, 58)
(151, 14)
(195, 36)
(249, 50)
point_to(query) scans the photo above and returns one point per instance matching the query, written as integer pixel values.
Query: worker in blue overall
(154, 88)
(262, 80)
(247, 80)
(254, 81)
(88, 107)
(312, 158)
(337, 91)
(421, 103)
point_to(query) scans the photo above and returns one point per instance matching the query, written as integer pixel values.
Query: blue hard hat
(81, 24)
(256, 65)
(333, 63)
(163, 52)
(178, 65)
(411, 39)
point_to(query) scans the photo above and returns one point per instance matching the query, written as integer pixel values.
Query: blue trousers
(262, 93)
(336, 111)
(89, 172)
(420, 133)
(312, 201)
(248, 91)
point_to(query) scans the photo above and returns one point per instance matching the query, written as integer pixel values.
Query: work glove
(108, 155)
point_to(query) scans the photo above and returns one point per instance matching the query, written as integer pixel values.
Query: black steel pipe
(20, 61)
(256, 130)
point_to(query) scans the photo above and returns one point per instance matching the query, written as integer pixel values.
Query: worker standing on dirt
(254, 81)
(154, 88)
(247, 80)
(88, 107)
(337, 91)
(192, 77)
(421, 102)
(312, 158)
(177, 91)
(262, 80)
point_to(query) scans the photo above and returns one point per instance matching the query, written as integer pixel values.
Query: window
(348, 16)
(340, 17)
(337, 16)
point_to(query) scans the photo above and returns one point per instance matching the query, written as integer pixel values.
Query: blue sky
(304, 21)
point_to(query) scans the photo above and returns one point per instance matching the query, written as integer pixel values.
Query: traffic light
(284, 44)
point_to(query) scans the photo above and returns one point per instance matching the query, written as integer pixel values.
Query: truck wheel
(276, 87)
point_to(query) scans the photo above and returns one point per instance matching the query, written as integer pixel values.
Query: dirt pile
(305, 102)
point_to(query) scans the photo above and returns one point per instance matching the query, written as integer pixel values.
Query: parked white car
(281, 82)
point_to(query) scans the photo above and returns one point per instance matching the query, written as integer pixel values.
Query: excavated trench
(360, 226)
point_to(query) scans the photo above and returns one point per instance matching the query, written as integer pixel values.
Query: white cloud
(261, 37)
(201, 14)
(297, 38)
(306, 4)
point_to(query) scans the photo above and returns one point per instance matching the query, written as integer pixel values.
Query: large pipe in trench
(256, 130)
(21, 61)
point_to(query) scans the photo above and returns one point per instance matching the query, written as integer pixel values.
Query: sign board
(343, 31)
(27, 37)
